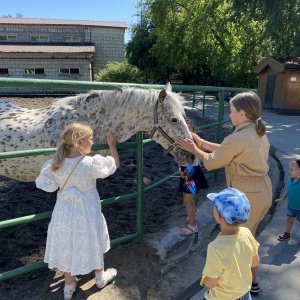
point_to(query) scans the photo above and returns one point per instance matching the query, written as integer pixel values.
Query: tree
(18, 15)
(208, 36)
(138, 49)
(119, 72)
(282, 23)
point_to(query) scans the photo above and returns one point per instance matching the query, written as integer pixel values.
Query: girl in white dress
(77, 234)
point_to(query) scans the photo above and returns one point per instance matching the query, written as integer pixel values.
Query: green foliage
(207, 37)
(282, 23)
(119, 72)
(138, 50)
(214, 42)
(18, 15)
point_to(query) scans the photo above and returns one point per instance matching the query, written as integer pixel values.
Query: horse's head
(169, 123)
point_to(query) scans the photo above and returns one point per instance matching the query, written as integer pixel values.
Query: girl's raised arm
(112, 142)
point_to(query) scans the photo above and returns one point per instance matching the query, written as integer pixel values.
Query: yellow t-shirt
(229, 258)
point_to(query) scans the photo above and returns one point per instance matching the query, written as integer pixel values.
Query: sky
(90, 10)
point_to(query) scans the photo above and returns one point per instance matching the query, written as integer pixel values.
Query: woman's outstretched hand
(186, 144)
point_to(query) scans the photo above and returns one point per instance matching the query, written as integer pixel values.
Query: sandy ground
(140, 274)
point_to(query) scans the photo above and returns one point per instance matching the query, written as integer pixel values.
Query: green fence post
(203, 104)
(219, 126)
(194, 99)
(140, 184)
(220, 116)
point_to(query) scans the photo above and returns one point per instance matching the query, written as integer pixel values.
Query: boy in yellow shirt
(230, 257)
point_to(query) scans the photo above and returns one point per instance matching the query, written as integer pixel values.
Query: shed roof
(46, 49)
(59, 22)
(278, 64)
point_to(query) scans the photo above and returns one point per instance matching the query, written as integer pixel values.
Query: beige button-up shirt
(245, 157)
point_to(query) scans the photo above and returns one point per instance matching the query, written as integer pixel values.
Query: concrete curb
(171, 247)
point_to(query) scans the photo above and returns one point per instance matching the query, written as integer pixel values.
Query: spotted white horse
(125, 112)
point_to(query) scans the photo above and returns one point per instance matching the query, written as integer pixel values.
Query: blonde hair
(250, 103)
(69, 137)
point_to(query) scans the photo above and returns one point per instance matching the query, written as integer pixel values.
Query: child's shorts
(198, 177)
(294, 213)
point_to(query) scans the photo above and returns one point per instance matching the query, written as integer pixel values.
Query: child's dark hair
(191, 123)
(298, 162)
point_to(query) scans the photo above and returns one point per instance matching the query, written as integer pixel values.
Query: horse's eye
(174, 120)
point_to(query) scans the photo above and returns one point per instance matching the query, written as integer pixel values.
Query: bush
(120, 72)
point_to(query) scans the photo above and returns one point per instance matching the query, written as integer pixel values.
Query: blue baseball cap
(232, 205)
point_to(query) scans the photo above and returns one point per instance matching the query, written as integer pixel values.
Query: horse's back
(7, 107)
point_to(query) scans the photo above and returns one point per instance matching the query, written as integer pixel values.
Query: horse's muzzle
(183, 157)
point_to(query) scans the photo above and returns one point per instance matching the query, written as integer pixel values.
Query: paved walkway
(279, 271)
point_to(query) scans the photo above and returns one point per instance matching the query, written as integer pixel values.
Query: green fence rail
(83, 85)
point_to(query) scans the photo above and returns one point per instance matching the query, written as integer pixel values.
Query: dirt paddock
(139, 272)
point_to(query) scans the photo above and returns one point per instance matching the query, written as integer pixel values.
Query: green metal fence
(139, 144)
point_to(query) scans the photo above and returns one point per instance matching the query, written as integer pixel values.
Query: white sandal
(109, 275)
(189, 230)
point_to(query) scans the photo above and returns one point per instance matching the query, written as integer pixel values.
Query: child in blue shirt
(293, 195)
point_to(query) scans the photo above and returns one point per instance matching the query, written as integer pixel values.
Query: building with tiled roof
(58, 49)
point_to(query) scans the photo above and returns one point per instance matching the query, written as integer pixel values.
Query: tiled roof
(56, 22)
(46, 49)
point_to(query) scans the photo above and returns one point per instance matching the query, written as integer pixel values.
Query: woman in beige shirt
(244, 154)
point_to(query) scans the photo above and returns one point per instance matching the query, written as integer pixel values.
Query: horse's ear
(162, 96)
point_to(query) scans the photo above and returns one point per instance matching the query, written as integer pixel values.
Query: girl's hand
(181, 174)
(111, 139)
(279, 200)
(186, 144)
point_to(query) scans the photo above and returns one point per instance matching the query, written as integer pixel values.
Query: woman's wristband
(198, 143)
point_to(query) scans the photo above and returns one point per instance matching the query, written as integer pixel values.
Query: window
(3, 71)
(74, 71)
(69, 71)
(8, 38)
(39, 71)
(39, 38)
(71, 39)
(34, 72)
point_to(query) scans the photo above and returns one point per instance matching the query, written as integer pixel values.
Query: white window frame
(33, 72)
(39, 38)
(71, 39)
(68, 72)
(8, 38)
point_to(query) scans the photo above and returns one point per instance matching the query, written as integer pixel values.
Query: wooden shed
(279, 83)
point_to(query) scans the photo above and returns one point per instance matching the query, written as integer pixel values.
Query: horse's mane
(126, 98)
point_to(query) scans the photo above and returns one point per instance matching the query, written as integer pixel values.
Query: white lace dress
(77, 233)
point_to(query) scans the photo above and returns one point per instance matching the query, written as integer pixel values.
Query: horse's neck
(124, 123)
